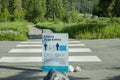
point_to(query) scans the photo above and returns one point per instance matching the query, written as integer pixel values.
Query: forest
(40, 10)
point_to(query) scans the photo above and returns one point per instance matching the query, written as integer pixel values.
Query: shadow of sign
(24, 74)
(35, 36)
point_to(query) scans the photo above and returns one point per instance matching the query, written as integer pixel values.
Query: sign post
(55, 52)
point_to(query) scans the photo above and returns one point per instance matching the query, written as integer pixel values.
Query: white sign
(55, 51)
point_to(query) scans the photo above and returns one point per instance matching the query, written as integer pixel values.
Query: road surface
(99, 59)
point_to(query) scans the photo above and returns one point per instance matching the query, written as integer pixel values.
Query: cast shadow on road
(25, 74)
(39, 36)
(114, 68)
(113, 78)
(78, 78)
(117, 68)
(18, 68)
(30, 74)
(35, 36)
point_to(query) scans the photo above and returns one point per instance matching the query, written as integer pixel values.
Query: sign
(55, 52)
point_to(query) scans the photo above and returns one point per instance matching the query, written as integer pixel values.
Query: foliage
(13, 31)
(116, 9)
(115, 20)
(72, 16)
(41, 10)
(18, 10)
(107, 8)
(101, 29)
(6, 15)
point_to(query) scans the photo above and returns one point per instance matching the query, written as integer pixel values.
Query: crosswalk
(34, 47)
(40, 50)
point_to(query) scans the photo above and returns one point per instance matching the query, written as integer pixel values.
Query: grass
(87, 28)
(54, 26)
(100, 31)
(102, 28)
(14, 31)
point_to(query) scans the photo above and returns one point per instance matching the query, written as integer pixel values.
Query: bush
(13, 31)
(96, 30)
(115, 20)
(71, 17)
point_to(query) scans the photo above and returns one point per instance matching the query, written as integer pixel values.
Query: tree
(59, 9)
(108, 8)
(36, 10)
(56, 9)
(18, 10)
(73, 13)
(43, 10)
(51, 8)
(6, 15)
(1, 11)
(4, 12)
(116, 9)
(39, 10)
(83, 8)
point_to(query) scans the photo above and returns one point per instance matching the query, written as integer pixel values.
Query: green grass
(102, 28)
(99, 31)
(14, 31)
(54, 26)
(87, 28)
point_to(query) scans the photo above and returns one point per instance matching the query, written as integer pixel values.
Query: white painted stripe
(25, 51)
(74, 42)
(41, 42)
(31, 42)
(39, 59)
(40, 50)
(21, 59)
(79, 50)
(29, 45)
(84, 59)
(76, 45)
(40, 45)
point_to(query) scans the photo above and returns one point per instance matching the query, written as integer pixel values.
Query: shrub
(13, 31)
(71, 17)
(115, 20)
(96, 30)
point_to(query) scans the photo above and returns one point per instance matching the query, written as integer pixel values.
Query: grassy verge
(102, 28)
(14, 31)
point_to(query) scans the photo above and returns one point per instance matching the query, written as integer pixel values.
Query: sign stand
(55, 52)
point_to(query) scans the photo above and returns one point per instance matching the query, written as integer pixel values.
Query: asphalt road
(107, 50)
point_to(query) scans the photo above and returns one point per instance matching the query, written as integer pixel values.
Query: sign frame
(55, 52)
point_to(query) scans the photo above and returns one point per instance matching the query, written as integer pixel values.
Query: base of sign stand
(59, 68)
